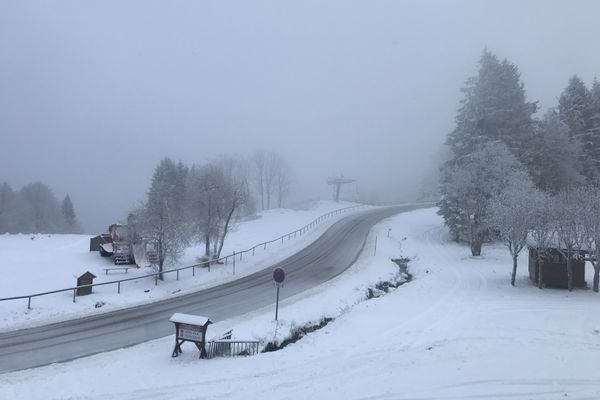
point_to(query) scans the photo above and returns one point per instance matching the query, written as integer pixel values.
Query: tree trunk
(476, 247)
(569, 273)
(207, 245)
(514, 271)
(540, 270)
(596, 276)
(161, 259)
(225, 230)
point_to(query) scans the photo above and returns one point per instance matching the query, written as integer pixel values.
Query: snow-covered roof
(189, 319)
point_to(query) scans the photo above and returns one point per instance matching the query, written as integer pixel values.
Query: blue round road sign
(278, 275)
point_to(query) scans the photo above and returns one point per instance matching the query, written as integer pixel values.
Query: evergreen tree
(38, 210)
(555, 156)
(575, 110)
(494, 108)
(594, 122)
(70, 219)
(7, 209)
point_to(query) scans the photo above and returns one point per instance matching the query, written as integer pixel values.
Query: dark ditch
(380, 289)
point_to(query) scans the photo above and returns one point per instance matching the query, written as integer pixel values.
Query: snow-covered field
(40, 263)
(457, 331)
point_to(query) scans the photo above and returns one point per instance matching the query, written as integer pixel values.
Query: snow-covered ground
(457, 331)
(40, 263)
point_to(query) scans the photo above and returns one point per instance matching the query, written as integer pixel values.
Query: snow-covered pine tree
(494, 108)
(38, 211)
(70, 219)
(594, 123)
(7, 209)
(575, 110)
(555, 162)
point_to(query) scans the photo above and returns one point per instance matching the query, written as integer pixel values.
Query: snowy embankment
(457, 330)
(40, 263)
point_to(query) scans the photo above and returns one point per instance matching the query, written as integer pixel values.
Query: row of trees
(200, 203)
(568, 221)
(271, 177)
(35, 209)
(496, 198)
(512, 175)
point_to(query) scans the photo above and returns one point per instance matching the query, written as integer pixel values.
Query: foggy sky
(93, 94)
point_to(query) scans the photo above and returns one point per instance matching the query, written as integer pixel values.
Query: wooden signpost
(190, 328)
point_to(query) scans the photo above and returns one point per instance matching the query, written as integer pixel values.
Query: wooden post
(119, 287)
(74, 294)
(234, 262)
(29, 303)
(375, 251)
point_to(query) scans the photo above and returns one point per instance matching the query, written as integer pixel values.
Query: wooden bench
(116, 269)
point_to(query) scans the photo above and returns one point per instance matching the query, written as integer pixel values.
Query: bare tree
(271, 177)
(203, 197)
(570, 233)
(542, 231)
(259, 161)
(217, 192)
(282, 180)
(590, 197)
(512, 216)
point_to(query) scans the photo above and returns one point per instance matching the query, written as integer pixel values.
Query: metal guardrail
(205, 264)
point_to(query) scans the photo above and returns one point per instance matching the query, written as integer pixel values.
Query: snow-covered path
(457, 331)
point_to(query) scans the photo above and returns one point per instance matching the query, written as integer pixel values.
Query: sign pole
(277, 303)
(278, 277)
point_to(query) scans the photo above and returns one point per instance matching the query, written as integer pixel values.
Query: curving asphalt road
(331, 254)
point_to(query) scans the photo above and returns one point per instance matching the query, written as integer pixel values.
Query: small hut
(554, 268)
(85, 279)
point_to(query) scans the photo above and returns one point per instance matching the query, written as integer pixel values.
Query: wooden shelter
(85, 279)
(190, 328)
(554, 268)
(97, 241)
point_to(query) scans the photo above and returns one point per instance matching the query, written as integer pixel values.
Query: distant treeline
(35, 209)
